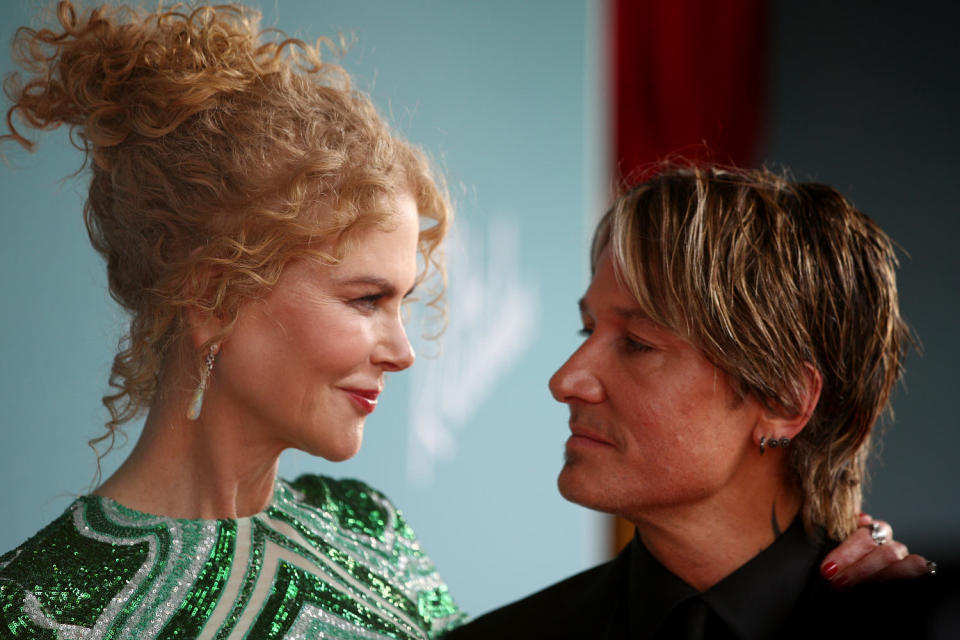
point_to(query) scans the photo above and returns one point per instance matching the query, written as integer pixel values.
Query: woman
(742, 337)
(261, 225)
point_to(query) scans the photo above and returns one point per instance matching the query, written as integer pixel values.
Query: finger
(885, 528)
(865, 520)
(866, 568)
(856, 546)
(913, 566)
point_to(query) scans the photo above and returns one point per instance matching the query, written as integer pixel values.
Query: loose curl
(219, 152)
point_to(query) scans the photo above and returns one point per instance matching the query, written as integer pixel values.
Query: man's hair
(764, 276)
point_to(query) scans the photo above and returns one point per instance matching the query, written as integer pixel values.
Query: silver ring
(931, 568)
(876, 532)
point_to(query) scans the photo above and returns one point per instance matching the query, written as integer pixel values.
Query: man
(742, 338)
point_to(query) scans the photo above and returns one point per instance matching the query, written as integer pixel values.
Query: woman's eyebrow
(385, 286)
(375, 281)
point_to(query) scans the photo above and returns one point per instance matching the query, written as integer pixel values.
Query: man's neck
(704, 543)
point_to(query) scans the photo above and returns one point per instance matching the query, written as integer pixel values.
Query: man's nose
(575, 381)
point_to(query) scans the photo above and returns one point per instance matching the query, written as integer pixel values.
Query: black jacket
(777, 594)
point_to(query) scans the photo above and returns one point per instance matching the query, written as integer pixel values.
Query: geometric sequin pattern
(327, 559)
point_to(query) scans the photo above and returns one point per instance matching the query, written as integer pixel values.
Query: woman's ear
(778, 422)
(205, 320)
(202, 325)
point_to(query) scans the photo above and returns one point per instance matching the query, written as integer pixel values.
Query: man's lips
(364, 399)
(586, 437)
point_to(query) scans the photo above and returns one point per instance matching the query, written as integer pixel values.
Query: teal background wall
(497, 93)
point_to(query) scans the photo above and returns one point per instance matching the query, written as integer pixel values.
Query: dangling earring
(196, 402)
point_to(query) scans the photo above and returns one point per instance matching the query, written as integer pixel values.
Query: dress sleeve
(394, 551)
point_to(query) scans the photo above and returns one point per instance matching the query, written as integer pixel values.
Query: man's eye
(634, 345)
(585, 332)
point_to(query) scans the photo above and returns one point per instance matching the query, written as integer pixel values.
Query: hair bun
(114, 72)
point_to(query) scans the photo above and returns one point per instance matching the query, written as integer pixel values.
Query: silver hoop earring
(762, 440)
(196, 402)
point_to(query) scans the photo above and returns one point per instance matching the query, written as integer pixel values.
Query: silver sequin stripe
(322, 566)
(65, 631)
(108, 615)
(166, 594)
(326, 524)
(329, 530)
(313, 623)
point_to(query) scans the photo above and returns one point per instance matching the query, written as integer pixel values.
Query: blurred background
(532, 109)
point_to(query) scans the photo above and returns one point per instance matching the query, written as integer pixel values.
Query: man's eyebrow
(386, 287)
(627, 313)
(632, 313)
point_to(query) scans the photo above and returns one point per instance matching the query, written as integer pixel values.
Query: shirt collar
(754, 601)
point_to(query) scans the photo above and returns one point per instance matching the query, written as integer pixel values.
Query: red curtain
(689, 78)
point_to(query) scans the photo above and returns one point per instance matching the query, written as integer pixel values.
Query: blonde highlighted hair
(763, 276)
(218, 152)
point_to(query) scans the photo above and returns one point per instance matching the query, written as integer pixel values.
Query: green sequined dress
(327, 559)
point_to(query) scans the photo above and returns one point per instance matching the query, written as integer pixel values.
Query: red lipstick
(364, 399)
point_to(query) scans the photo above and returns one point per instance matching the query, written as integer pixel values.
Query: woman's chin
(337, 452)
(339, 457)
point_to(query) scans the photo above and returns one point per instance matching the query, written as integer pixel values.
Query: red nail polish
(829, 570)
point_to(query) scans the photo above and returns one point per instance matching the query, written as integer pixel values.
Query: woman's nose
(395, 353)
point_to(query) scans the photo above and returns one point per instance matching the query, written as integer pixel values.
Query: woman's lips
(364, 399)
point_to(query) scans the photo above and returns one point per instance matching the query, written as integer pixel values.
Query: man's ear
(778, 422)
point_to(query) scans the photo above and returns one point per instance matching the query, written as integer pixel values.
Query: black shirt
(777, 594)
(752, 603)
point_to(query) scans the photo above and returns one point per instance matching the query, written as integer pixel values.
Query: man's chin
(589, 484)
(576, 485)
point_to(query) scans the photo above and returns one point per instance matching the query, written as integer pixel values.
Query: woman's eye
(585, 332)
(368, 303)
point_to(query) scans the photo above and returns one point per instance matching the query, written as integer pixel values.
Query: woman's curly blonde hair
(218, 153)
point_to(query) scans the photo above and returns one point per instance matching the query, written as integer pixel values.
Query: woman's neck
(194, 469)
